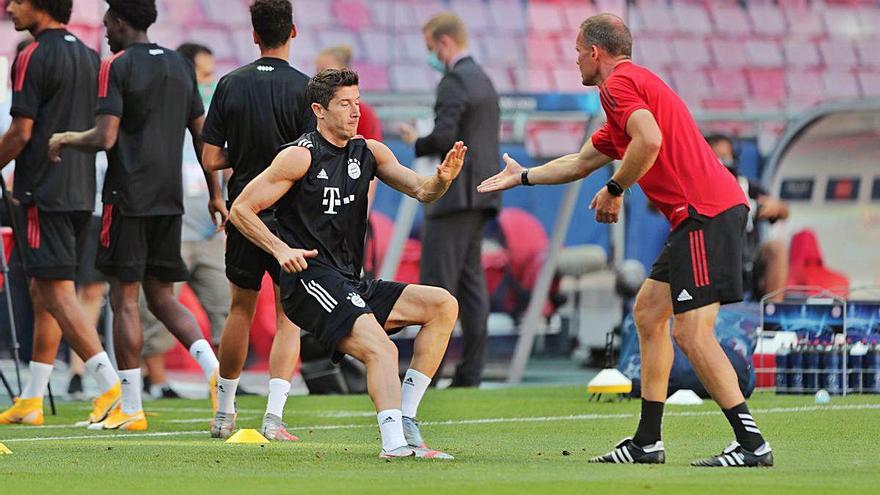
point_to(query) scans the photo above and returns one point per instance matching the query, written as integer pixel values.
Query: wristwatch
(524, 178)
(614, 188)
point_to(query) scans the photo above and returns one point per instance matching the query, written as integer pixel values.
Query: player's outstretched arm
(99, 138)
(424, 188)
(16, 139)
(264, 191)
(568, 168)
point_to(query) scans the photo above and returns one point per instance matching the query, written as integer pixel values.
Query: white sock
(202, 352)
(278, 390)
(132, 384)
(100, 367)
(39, 380)
(414, 386)
(226, 388)
(391, 427)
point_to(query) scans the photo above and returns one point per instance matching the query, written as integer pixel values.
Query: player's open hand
(607, 206)
(217, 207)
(451, 166)
(510, 177)
(56, 144)
(293, 260)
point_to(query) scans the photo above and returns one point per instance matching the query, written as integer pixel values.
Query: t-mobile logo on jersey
(333, 200)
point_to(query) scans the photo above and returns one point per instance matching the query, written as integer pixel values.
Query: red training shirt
(369, 126)
(686, 172)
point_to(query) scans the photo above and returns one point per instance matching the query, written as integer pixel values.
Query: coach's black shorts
(246, 262)
(702, 260)
(132, 248)
(86, 271)
(326, 303)
(52, 242)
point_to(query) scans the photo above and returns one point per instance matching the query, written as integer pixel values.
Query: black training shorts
(246, 262)
(326, 303)
(52, 242)
(702, 260)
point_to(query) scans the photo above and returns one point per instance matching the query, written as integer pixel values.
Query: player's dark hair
(608, 32)
(139, 14)
(324, 85)
(272, 20)
(191, 50)
(718, 137)
(58, 9)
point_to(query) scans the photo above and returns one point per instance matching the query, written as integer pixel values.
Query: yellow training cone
(247, 436)
(4, 449)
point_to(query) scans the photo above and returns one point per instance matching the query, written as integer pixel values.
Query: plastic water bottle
(822, 397)
(871, 376)
(782, 369)
(833, 370)
(811, 368)
(856, 364)
(795, 380)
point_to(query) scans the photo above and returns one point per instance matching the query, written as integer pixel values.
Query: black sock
(650, 424)
(744, 427)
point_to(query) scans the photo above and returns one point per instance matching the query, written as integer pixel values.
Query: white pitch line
(573, 417)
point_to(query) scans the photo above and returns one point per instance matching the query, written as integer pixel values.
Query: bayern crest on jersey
(356, 299)
(354, 168)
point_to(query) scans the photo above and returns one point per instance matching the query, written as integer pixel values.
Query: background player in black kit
(147, 97)
(256, 109)
(320, 185)
(53, 90)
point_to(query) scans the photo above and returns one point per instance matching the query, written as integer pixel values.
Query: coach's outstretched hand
(294, 260)
(451, 166)
(510, 177)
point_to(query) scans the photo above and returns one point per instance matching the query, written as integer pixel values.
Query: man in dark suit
(466, 110)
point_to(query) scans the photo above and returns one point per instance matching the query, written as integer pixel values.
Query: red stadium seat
(336, 36)
(377, 45)
(869, 55)
(729, 83)
(767, 84)
(218, 40)
(842, 22)
(543, 49)
(501, 77)
(730, 19)
(654, 18)
(352, 14)
(730, 53)
(654, 51)
(545, 17)
(764, 53)
(183, 12)
(840, 84)
(574, 13)
(507, 15)
(804, 87)
(87, 12)
(406, 78)
(373, 77)
(804, 22)
(691, 18)
(807, 266)
(691, 84)
(227, 13)
(539, 80)
(767, 20)
(410, 48)
(476, 15)
(870, 83)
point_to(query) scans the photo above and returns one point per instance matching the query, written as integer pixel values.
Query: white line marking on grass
(538, 419)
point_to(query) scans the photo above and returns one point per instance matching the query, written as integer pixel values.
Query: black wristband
(614, 188)
(524, 178)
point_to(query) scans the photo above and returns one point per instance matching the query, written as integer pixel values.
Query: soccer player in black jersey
(53, 89)
(256, 109)
(320, 185)
(147, 98)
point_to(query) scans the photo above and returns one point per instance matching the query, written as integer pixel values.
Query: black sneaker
(168, 393)
(736, 456)
(627, 452)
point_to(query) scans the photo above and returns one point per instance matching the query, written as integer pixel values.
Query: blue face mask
(207, 92)
(435, 62)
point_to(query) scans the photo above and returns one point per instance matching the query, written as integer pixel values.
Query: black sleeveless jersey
(327, 209)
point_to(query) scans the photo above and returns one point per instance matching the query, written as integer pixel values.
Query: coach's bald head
(603, 40)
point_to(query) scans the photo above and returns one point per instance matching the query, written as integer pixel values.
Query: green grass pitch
(531, 440)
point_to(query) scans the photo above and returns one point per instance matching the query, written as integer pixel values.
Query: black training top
(257, 109)
(153, 90)
(327, 209)
(54, 83)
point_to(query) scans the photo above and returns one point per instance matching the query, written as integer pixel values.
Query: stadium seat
(510, 53)
(730, 19)
(767, 84)
(729, 53)
(691, 18)
(406, 78)
(378, 45)
(729, 83)
(807, 265)
(691, 85)
(544, 49)
(226, 13)
(869, 83)
(841, 22)
(168, 35)
(804, 22)
(507, 15)
(501, 78)
(218, 40)
(304, 46)
(544, 139)
(692, 52)
(538, 80)
(767, 20)
(838, 53)
(183, 12)
(870, 20)
(313, 13)
(653, 51)
(86, 12)
(476, 15)
(804, 86)
(840, 84)
(869, 55)
(654, 18)
(544, 17)
(568, 79)
(372, 77)
(246, 50)
(335, 36)
(574, 13)
(801, 54)
(616, 7)
(352, 14)
(764, 53)
(410, 47)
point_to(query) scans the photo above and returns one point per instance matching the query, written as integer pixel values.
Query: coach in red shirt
(651, 130)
